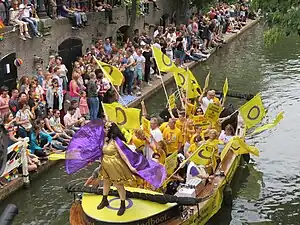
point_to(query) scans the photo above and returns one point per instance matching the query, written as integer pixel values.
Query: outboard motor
(8, 214)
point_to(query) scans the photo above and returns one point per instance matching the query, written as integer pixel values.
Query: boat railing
(16, 157)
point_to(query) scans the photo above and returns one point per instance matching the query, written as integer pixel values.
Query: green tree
(282, 17)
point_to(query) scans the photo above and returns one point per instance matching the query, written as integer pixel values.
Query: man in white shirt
(156, 136)
(204, 101)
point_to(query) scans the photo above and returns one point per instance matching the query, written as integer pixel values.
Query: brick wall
(60, 30)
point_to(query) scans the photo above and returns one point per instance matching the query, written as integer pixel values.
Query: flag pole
(183, 163)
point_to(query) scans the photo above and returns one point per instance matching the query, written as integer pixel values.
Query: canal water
(266, 191)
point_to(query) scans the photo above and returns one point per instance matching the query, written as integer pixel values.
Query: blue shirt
(107, 48)
(33, 143)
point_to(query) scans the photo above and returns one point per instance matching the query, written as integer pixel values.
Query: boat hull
(138, 212)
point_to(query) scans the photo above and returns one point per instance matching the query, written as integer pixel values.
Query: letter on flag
(278, 118)
(114, 72)
(163, 62)
(128, 118)
(253, 111)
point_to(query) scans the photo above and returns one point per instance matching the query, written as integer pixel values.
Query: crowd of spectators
(49, 108)
(25, 13)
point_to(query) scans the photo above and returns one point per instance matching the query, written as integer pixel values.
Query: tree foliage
(282, 17)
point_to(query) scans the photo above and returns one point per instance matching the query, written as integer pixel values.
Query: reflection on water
(267, 191)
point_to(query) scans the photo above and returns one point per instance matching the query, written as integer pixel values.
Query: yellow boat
(146, 212)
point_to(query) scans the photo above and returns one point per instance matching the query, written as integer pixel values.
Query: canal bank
(147, 93)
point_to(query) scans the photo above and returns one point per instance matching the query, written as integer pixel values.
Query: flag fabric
(146, 127)
(207, 81)
(172, 101)
(186, 80)
(204, 155)
(105, 73)
(114, 72)
(239, 147)
(253, 111)
(225, 89)
(128, 118)
(191, 86)
(163, 62)
(278, 118)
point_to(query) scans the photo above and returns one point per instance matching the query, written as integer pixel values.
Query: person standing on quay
(93, 96)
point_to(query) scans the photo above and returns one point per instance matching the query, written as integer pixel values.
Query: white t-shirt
(205, 103)
(156, 134)
(155, 33)
(225, 138)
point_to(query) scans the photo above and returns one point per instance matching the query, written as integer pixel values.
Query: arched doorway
(122, 34)
(69, 50)
(8, 71)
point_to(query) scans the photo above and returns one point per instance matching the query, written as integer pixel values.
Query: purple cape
(86, 147)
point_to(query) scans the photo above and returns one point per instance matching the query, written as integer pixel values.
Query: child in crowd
(83, 105)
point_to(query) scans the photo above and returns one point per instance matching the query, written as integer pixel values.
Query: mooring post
(25, 162)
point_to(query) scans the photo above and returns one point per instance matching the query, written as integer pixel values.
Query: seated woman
(39, 142)
(23, 118)
(8, 121)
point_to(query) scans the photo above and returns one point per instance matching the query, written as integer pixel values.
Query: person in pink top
(83, 105)
(4, 99)
(74, 88)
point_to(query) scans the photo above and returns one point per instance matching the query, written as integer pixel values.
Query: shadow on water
(265, 192)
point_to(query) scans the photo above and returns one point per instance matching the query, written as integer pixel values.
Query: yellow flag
(146, 127)
(114, 72)
(191, 86)
(128, 118)
(163, 62)
(179, 77)
(239, 147)
(278, 118)
(207, 81)
(213, 112)
(225, 88)
(204, 155)
(105, 73)
(253, 111)
(127, 134)
(171, 163)
(172, 101)
(56, 156)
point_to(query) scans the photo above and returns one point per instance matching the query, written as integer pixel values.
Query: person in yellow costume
(189, 131)
(115, 168)
(163, 126)
(180, 122)
(173, 137)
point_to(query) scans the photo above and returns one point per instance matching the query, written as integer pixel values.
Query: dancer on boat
(119, 165)
(115, 167)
